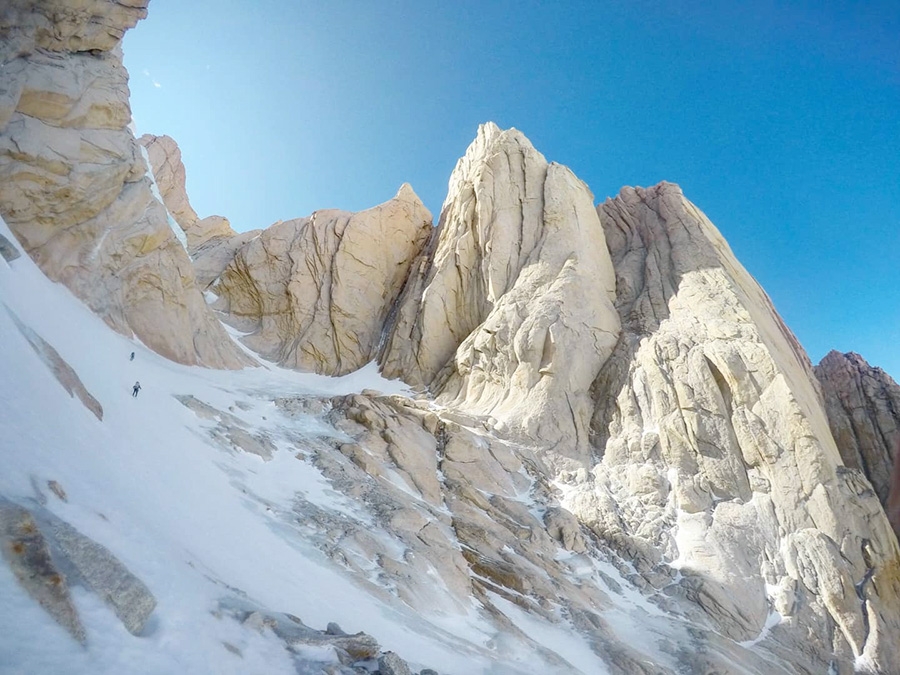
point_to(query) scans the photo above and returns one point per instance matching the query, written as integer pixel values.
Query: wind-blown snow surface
(194, 522)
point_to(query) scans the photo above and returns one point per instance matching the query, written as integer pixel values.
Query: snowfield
(196, 523)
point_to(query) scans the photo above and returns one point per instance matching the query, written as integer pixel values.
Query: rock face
(73, 184)
(212, 258)
(863, 405)
(509, 313)
(211, 242)
(8, 251)
(708, 452)
(48, 556)
(338, 652)
(713, 454)
(168, 169)
(101, 572)
(314, 293)
(617, 401)
(892, 505)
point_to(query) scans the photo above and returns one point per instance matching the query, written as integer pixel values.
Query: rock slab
(863, 405)
(314, 293)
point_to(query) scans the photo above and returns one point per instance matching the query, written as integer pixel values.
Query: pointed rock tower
(509, 313)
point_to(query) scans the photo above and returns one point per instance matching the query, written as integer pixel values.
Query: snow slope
(203, 524)
(194, 522)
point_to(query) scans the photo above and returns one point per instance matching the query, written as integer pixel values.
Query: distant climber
(136, 389)
(132, 357)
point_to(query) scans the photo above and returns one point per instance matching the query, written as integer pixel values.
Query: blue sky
(781, 121)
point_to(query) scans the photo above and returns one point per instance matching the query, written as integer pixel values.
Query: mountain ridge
(615, 439)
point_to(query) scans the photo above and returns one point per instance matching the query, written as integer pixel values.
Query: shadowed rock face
(8, 251)
(314, 293)
(73, 185)
(863, 405)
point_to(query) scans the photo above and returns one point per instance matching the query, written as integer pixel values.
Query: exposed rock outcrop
(892, 505)
(62, 371)
(509, 312)
(481, 522)
(213, 257)
(168, 169)
(863, 406)
(230, 431)
(709, 449)
(714, 456)
(101, 572)
(8, 250)
(314, 293)
(467, 518)
(73, 184)
(25, 550)
(339, 653)
(48, 556)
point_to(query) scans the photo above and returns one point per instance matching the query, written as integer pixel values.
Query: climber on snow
(136, 389)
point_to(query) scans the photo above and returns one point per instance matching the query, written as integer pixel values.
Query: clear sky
(780, 120)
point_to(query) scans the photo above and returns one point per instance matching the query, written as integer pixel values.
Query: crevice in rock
(722, 385)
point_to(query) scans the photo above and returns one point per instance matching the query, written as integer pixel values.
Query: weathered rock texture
(713, 453)
(168, 169)
(62, 371)
(229, 431)
(863, 405)
(455, 515)
(618, 400)
(73, 184)
(101, 572)
(509, 313)
(314, 293)
(686, 430)
(213, 257)
(48, 556)
(340, 653)
(25, 550)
